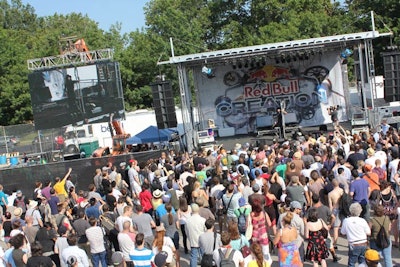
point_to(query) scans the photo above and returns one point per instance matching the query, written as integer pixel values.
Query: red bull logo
(271, 89)
(270, 73)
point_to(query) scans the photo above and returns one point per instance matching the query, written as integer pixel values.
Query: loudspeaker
(164, 104)
(391, 64)
(323, 128)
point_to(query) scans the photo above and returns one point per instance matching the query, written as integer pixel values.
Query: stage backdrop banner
(242, 95)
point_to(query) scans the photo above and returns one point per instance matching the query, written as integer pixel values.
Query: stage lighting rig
(209, 72)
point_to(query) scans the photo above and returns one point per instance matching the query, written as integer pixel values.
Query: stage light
(263, 61)
(234, 66)
(246, 64)
(346, 53)
(208, 71)
(240, 65)
(307, 55)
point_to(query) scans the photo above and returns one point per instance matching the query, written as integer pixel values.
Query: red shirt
(145, 200)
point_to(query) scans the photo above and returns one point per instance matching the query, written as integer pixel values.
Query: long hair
(257, 251)
(159, 240)
(168, 207)
(233, 230)
(183, 205)
(256, 206)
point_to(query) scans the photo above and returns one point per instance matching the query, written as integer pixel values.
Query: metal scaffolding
(362, 40)
(71, 59)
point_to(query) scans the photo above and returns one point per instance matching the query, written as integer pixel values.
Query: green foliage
(195, 26)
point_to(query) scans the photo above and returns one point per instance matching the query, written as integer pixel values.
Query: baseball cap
(117, 258)
(266, 176)
(160, 259)
(295, 205)
(72, 260)
(242, 202)
(372, 255)
(256, 187)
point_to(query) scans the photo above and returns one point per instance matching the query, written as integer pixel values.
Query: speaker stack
(164, 104)
(391, 64)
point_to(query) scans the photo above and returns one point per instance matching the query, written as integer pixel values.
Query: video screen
(76, 95)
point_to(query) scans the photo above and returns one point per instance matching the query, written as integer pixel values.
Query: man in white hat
(34, 213)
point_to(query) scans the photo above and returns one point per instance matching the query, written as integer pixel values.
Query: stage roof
(321, 43)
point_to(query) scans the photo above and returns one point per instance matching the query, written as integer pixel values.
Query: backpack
(227, 259)
(344, 204)
(380, 172)
(107, 223)
(59, 223)
(382, 241)
(242, 225)
(207, 259)
(156, 184)
(20, 203)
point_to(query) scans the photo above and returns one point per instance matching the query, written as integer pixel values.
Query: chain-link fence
(21, 140)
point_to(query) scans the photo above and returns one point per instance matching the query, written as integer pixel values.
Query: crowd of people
(229, 208)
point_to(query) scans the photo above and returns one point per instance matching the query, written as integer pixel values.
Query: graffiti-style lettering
(238, 107)
(271, 89)
(266, 105)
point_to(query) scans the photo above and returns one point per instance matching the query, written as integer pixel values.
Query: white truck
(80, 139)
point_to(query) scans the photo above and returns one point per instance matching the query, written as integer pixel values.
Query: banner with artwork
(246, 97)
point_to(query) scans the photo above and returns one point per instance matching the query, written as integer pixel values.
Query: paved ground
(341, 251)
(229, 143)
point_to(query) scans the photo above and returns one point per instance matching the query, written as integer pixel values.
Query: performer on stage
(333, 112)
(279, 120)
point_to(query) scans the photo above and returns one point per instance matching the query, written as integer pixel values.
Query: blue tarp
(151, 135)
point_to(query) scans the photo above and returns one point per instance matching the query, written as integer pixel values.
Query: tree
(386, 18)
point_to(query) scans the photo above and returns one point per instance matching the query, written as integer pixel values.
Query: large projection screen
(76, 95)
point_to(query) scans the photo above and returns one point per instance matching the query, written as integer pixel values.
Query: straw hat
(17, 212)
(32, 204)
(158, 193)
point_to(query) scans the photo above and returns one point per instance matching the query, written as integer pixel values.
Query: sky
(129, 12)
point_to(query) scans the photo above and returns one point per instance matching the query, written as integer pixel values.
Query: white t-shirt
(168, 247)
(398, 221)
(393, 169)
(237, 257)
(95, 236)
(356, 229)
(120, 222)
(125, 244)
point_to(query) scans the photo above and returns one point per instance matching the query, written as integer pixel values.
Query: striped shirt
(141, 257)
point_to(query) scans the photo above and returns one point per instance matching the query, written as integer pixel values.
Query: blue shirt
(161, 211)
(93, 211)
(141, 257)
(2, 195)
(53, 202)
(8, 257)
(360, 189)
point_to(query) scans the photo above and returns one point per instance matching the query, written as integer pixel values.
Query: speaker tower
(164, 104)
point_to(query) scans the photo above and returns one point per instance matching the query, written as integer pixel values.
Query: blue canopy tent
(151, 135)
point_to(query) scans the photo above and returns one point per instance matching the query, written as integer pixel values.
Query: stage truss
(71, 59)
(185, 63)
